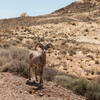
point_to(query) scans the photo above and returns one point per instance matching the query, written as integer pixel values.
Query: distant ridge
(72, 9)
(77, 7)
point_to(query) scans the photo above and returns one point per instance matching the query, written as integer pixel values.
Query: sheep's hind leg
(36, 75)
(29, 74)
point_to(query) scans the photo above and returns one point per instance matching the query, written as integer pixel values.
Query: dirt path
(13, 87)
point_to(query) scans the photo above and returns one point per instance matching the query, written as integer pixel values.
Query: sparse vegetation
(90, 90)
(75, 36)
(8, 31)
(49, 74)
(14, 60)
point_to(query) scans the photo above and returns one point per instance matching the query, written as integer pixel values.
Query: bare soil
(13, 87)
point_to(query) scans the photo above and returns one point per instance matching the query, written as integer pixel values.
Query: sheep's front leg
(41, 76)
(29, 74)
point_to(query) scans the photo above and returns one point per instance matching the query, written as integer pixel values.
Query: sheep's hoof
(34, 82)
(29, 78)
(28, 81)
(41, 82)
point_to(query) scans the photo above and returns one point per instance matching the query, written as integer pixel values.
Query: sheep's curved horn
(40, 45)
(49, 46)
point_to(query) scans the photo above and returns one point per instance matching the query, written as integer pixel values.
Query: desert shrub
(93, 91)
(14, 60)
(49, 73)
(93, 95)
(81, 86)
(16, 67)
(90, 90)
(19, 54)
(64, 81)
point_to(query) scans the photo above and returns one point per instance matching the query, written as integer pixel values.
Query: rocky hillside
(80, 7)
(73, 31)
(75, 10)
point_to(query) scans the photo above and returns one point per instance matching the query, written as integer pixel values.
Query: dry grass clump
(15, 60)
(49, 74)
(64, 80)
(90, 90)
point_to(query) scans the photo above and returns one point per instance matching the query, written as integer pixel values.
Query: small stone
(48, 95)
(30, 92)
(41, 94)
(25, 91)
(20, 91)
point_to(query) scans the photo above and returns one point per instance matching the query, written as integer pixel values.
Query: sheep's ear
(40, 45)
(49, 46)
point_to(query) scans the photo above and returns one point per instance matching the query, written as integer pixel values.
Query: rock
(24, 14)
(41, 94)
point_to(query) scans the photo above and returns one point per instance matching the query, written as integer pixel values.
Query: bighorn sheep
(39, 62)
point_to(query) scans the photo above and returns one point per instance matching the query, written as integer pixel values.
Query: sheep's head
(44, 47)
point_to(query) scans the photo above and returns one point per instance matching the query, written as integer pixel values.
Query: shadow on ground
(36, 86)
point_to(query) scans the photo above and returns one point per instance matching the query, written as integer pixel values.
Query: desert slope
(13, 87)
(73, 34)
(73, 31)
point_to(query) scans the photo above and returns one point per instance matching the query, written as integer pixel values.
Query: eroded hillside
(73, 31)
